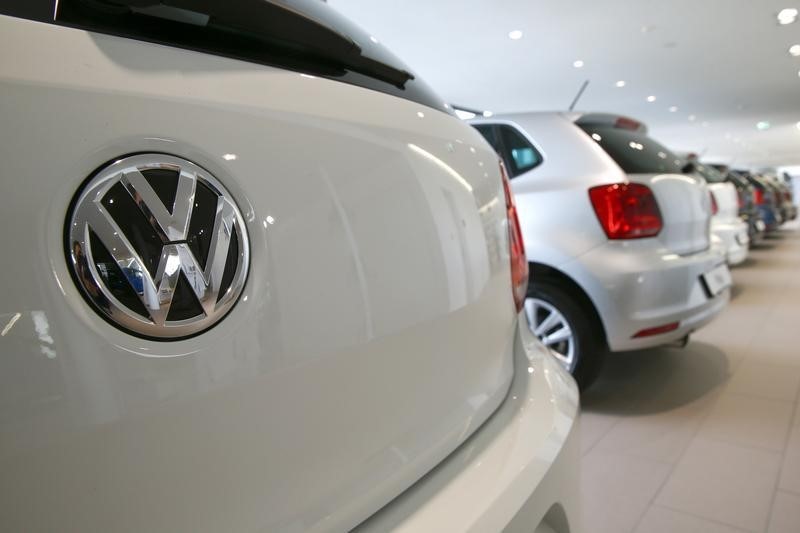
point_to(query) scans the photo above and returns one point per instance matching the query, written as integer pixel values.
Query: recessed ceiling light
(795, 50)
(763, 125)
(692, 118)
(515, 35)
(487, 114)
(373, 39)
(651, 98)
(578, 63)
(620, 83)
(420, 114)
(787, 16)
(673, 109)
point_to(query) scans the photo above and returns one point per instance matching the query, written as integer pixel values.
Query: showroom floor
(705, 439)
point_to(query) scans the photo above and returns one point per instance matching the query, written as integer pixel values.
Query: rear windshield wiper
(297, 34)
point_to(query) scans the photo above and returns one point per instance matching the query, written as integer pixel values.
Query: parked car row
(616, 231)
(765, 200)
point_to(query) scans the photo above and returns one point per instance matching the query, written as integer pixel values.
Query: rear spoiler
(610, 120)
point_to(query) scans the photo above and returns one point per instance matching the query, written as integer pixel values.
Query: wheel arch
(547, 273)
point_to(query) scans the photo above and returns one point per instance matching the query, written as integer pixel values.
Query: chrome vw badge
(158, 246)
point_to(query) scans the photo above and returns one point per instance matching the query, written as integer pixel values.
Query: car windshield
(634, 152)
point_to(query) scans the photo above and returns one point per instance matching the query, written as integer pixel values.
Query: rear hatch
(682, 198)
(376, 328)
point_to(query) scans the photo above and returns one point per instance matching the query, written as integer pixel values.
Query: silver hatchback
(616, 235)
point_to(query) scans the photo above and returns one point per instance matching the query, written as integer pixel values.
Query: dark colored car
(749, 211)
(767, 199)
(786, 201)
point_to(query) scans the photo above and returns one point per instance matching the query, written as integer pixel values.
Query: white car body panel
(374, 335)
(633, 284)
(685, 209)
(538, 414)
(726, 224)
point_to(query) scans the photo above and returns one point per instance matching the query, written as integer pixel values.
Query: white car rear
(726, 225)
(617, 237)
(360, 331)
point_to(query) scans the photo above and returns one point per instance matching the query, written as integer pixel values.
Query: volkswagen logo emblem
(158, 246)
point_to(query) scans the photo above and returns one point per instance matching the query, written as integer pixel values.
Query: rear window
(634, 152)
(517, 153)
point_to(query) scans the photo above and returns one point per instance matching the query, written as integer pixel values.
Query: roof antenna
(578, 96)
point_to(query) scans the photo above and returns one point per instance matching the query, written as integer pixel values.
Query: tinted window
(517, 153)
(490, 134)
(521, 154)
(634, 152)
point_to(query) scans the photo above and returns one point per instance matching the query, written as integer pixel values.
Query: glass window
(514, 149)
(635, 152)
(489, 133)
(522, 155)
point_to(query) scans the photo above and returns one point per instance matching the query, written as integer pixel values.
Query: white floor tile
(785, 517)
(790, 471)
(766, 380)
(749, 421)
(723, 483)
(661, 436)
(616, 490)
(662, 520)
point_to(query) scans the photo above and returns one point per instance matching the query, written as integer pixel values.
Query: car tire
(589, 350)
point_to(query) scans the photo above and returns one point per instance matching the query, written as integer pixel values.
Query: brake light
(649, 332)
(626, 210)
(759, 197)
(519, 263)
(714, 205)
(626, 123)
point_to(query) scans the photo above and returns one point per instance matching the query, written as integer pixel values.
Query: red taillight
(714, 205)
(519, 263)
(626, 210)
(626, 123)
(759, 197)
(649, 332)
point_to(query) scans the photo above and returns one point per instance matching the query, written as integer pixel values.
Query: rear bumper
(637, 285)
(518, 470)
(734, 237)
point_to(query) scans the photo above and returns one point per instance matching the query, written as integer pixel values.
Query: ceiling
(724, 64)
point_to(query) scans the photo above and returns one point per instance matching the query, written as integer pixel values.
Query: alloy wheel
(553, 329)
